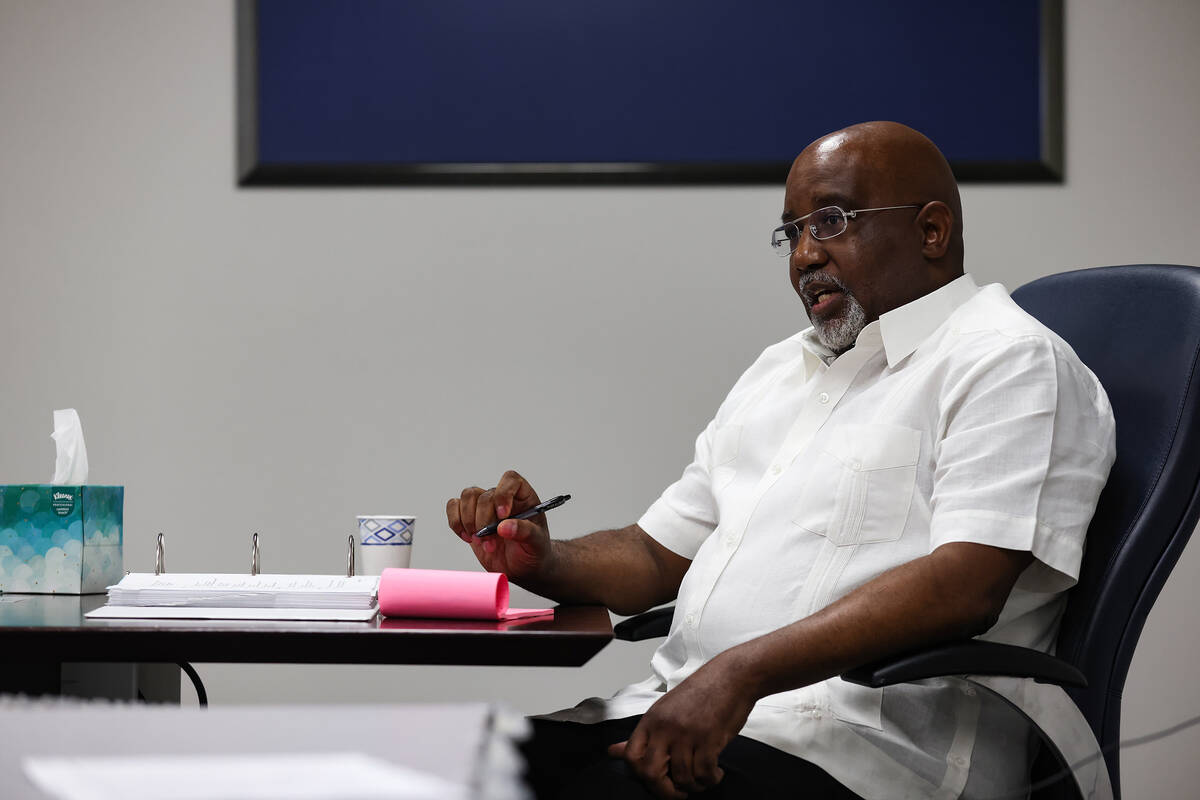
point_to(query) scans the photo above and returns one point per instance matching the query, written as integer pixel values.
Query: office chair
(1137, 328)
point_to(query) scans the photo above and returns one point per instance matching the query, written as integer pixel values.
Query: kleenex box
(60, 539)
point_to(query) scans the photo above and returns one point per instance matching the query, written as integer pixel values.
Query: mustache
(808, 277)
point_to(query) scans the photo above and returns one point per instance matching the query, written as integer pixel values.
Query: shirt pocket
(727, 440)
(859, 487)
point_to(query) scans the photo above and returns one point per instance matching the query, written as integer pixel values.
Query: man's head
(884, 258)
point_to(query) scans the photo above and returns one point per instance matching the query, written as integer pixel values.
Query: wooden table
(37, 630)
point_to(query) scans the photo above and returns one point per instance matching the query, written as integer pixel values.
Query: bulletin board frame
(318, 138)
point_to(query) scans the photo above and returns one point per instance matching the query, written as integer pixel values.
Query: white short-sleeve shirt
(955, 418)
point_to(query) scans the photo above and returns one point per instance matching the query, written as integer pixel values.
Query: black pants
(569, 760)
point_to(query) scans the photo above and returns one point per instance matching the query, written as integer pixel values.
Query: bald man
(918, 466)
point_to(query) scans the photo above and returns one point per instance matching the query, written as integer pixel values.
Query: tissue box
(60, 539)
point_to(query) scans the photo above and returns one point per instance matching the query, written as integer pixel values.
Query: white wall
(281, 360)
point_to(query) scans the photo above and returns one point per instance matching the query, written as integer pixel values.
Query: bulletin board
(393, 92)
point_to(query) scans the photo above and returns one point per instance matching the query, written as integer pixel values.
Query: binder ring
(159, 567)
(350, 556)
(254, 554)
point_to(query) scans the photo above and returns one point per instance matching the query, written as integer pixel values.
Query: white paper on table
(193, 612)
(273, 776)
(239, 582)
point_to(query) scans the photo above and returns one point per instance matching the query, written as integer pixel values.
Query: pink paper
(448, 594)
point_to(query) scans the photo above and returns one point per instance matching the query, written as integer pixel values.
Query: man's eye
(831, 220)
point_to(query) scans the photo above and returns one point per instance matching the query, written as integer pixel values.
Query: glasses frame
(847, 215)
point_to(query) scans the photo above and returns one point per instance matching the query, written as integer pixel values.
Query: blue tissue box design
(60, 539)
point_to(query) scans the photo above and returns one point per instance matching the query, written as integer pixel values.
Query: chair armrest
(649, 625)
(971, 657)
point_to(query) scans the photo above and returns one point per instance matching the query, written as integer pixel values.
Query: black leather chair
(1138, 329)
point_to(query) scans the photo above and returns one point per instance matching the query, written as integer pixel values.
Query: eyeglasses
(824, 223)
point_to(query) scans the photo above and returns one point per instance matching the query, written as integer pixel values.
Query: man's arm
(955, 592)
(623, 569)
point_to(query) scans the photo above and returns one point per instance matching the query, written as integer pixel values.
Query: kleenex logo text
(63, 503)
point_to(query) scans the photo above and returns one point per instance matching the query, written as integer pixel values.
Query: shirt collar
(904, 328)
(901, 329)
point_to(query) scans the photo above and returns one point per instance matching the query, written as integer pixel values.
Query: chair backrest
(1138, 329)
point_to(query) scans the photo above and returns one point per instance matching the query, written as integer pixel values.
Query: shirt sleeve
(686, 513)
(683, 517)
(1027, 440)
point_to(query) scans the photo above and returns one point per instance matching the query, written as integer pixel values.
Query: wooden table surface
(48, 628)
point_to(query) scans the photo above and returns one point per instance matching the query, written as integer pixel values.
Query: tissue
(71, 463)
(65, 537)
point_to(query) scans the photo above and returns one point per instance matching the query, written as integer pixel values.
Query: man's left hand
(674, 748)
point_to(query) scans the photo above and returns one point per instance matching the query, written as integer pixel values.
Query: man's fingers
(517, 530)
(485, 509)
(513, 494)
(653, 766)
(663, 786)
(679, 766)
(466, 507)
(635, 746)
(648, 762)
(705, 770)
(454, 520)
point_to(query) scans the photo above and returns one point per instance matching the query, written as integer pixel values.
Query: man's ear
(936, 222)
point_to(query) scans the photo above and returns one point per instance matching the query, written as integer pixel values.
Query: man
(918, 466)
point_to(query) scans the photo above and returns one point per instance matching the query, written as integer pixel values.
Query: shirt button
(776, 469)
(823, 397)
(691, 620)
(959, 761)
(856, 464)
(969, 691)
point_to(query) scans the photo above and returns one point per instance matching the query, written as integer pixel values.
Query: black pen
(553, 502)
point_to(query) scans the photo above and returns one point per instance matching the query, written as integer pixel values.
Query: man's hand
(520, 548)
(674, 748)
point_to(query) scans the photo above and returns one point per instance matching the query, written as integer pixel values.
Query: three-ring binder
(255, 553)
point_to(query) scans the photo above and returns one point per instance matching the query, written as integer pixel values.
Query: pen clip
(254, 554)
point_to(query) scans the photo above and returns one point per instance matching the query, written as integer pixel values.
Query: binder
(256, 596)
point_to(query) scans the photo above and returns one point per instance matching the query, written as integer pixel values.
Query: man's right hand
(520, 548)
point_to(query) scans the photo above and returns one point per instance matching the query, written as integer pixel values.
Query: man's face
(851, 279)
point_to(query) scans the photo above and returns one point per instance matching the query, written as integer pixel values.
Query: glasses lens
(826, 223)
(784, 239)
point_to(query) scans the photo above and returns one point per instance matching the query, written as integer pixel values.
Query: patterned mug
(384, 540)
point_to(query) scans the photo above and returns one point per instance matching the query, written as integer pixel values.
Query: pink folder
(449, 594)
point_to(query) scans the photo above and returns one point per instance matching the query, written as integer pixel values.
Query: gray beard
(840, 334)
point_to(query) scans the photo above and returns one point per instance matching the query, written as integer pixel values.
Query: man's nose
(810, 251)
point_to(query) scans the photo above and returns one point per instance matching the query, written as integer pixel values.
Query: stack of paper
(244, 591)
(215, 596)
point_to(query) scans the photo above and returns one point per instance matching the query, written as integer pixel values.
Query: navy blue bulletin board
(392, 92)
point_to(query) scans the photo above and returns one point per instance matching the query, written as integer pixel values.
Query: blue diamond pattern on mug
(396, 531)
